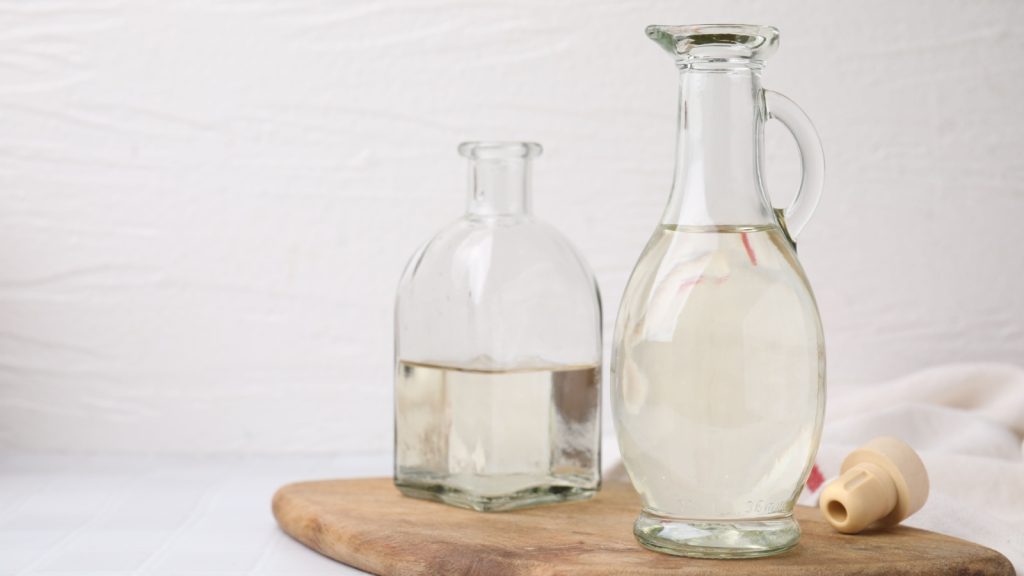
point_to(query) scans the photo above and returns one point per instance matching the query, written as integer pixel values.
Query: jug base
(736, 538)
(532, 496)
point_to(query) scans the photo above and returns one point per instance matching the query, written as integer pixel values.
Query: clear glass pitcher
(498, 352)
(718, 365)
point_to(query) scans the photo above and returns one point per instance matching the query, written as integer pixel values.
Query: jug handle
(794, 217)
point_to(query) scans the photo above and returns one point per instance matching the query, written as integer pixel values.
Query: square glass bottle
(498, 352)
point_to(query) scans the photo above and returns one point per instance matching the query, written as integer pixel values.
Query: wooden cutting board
(368, 524)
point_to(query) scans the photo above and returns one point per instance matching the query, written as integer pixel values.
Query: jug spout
(716, 42)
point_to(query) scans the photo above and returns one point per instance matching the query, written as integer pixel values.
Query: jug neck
(499, 177)
(717, 180)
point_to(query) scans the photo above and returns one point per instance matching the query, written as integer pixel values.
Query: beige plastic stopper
(883, 482)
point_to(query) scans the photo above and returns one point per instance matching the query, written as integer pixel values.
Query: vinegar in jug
(720, 363)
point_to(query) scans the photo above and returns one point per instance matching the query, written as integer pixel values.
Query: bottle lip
(498, 149)
(716, 42)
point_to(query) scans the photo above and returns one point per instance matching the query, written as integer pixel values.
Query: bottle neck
(717, 179)
(499, 186)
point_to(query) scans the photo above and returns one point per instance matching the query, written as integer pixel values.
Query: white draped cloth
(967, 423)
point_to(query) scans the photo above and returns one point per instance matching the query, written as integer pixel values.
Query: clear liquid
(719, 374)
(493, 439)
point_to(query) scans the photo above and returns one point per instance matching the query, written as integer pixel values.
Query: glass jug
(718, 364)
(497, 352)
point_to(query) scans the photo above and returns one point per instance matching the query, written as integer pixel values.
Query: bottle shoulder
(524, 244)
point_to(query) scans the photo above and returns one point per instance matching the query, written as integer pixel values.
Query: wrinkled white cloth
(967, 423)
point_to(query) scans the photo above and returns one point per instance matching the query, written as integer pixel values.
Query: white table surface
(150, 515)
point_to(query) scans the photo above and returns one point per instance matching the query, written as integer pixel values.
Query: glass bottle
(718, 386)
(497, 352)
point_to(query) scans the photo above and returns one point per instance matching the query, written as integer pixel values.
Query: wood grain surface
(368, 524)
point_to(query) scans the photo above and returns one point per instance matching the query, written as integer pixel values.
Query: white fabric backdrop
(967, 423)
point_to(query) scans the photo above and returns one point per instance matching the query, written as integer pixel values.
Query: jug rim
(721, 42)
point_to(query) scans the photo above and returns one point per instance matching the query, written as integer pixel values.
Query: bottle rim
(498, 149)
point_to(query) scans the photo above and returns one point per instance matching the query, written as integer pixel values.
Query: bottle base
(721, 539)
(524, 498)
